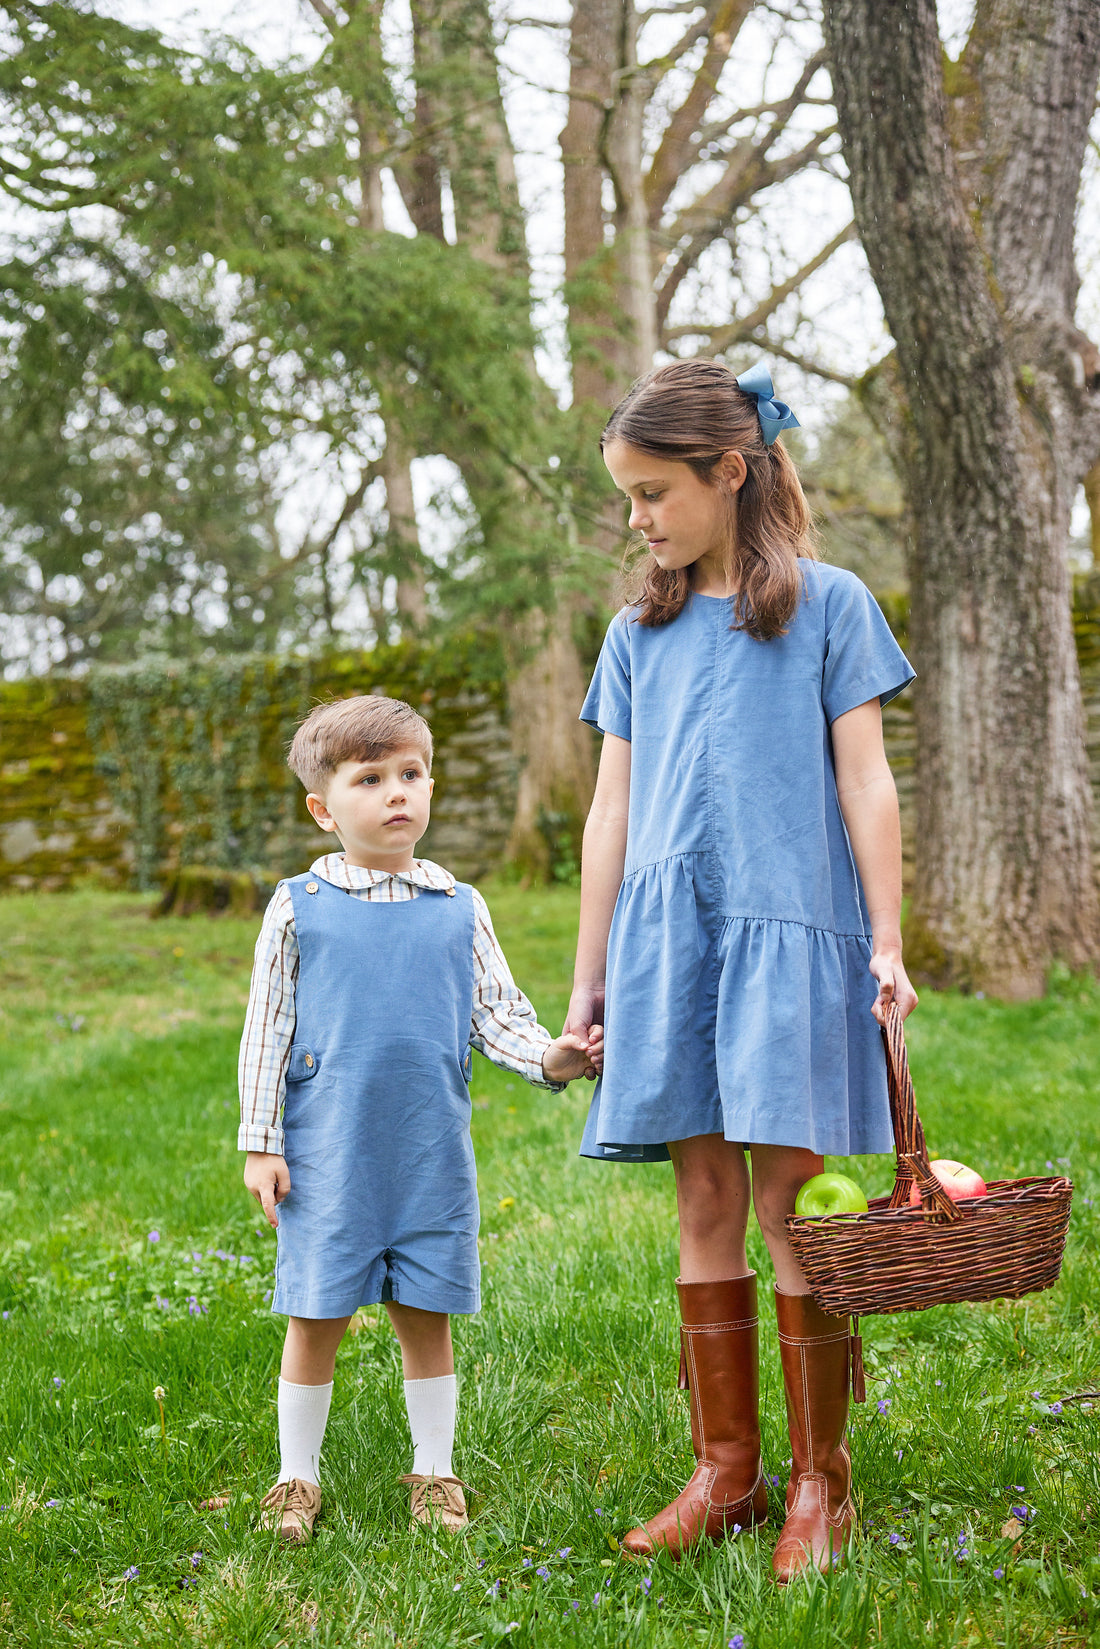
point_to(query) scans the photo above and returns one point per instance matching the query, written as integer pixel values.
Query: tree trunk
(975, 270)
(557, 768)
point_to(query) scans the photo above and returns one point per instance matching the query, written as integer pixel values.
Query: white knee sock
(303, 1415)
(432, 1406)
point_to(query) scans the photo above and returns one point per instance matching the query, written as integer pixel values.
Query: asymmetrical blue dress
(738, 995)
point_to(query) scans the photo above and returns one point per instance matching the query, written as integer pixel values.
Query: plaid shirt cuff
(260, 1137)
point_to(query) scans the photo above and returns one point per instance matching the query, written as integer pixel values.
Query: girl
(741, 893)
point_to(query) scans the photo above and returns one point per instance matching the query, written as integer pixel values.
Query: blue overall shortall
(383, 1190)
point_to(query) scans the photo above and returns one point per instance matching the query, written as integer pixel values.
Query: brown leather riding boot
(815, 1351)
(718, 1338)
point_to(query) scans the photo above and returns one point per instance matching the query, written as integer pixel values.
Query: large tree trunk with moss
(966, 213)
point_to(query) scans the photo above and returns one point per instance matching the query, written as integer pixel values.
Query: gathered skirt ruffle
(748, 1026)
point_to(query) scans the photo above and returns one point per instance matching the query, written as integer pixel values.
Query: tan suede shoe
(437, 1500)
(292, 1509)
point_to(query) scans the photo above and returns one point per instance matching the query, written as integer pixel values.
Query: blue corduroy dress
(383, 1200)
(738, 995)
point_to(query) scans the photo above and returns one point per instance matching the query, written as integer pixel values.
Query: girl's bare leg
(425, 1341)
(778, 1174)
(713, 1194)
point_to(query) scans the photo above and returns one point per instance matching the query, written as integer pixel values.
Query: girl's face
(686, 523)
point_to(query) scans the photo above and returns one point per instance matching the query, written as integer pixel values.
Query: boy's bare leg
(309, 1351)
(425, 1341)
(427, 1357)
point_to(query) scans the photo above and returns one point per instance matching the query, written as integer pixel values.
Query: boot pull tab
(859, 1387)
(682, 1381)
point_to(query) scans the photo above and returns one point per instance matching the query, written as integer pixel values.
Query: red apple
(957, 1179)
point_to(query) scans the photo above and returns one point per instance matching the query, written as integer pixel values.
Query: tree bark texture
(965, 206)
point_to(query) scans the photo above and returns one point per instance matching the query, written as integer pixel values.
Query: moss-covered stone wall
(124, 774)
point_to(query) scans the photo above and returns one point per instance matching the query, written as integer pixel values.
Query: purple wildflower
(596, 1599)
(646, 1585)
(574, 1602)
(895, 1539)
(565, 1551)
(1055, 1408)
(195, 1307)
(1021, 1512)
(132, 1572)
(998, 1574)
(163, 1302)
(599, 1511)
(481, 1562)
(5, 1315)
(1019, 1488)
(189, 1580)
(154, 1236)
(737, 1641)
(53, 1502)
(196, 1559)
(774, 1480)
(883, 1405)
(58, 1381)
(527, 1563)
(543, 1572)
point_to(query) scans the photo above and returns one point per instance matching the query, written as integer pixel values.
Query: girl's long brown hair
(692, 412)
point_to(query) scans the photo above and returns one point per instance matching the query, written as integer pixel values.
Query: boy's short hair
(362, 729)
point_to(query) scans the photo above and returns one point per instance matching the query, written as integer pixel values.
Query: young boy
(374, 975)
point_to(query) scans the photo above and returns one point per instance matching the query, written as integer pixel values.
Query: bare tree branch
(723, 20)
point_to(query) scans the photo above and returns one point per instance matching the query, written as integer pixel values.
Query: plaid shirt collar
(335, 869)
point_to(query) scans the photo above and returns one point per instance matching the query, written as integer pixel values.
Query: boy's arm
(504, 1025)
(268, 1029)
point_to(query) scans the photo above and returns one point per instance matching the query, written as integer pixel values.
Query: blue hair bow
(774, 415)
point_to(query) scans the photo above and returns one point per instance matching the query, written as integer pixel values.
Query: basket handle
(912, 1153)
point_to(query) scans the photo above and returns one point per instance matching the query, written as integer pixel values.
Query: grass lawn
(131, 1258)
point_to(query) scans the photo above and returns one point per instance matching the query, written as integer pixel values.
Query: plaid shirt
(503, 1025)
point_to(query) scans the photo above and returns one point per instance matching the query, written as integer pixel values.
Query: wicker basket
(897, 1258)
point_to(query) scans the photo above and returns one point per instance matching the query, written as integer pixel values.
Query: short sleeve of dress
(607, 703)
(862, 659)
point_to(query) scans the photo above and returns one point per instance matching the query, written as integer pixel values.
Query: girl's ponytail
(692, 412)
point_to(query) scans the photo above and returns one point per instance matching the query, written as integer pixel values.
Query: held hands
(570, 1055)
(268, 1178)
(585, 1020)
(893, 984)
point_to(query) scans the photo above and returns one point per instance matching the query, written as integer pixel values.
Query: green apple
(827, 1194)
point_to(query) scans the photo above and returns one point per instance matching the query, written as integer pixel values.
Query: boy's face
(379, 810)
